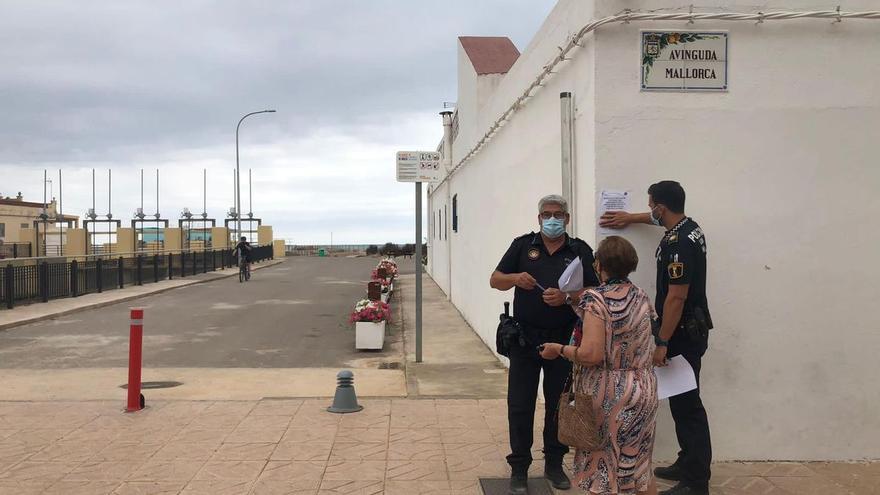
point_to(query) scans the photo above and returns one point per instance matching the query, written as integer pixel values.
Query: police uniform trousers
(691, 422)
(522, 394)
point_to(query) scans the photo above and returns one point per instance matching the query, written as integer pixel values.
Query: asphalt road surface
(288, 316)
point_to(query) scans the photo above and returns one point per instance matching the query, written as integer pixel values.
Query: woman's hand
(551, 350)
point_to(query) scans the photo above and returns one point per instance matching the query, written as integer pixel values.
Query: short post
(74, 278)
(120, 272)
(135, 360)
(9, 281)
(99, 279)
(44, 281)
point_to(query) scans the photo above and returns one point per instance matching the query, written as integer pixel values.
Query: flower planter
(369, 335)
(386, 296)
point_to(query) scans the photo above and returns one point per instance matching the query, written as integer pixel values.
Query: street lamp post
(238, 177)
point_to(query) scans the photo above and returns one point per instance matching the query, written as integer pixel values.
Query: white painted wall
(780, 171)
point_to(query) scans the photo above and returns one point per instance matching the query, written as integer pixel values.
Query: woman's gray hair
(553, 199)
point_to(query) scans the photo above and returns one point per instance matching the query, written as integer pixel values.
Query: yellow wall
(125, 240)
(173, 239)
(264, 235)
(76, 242)
(219, 237)
(278, 248)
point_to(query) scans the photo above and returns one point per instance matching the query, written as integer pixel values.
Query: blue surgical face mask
(655, 220)
(553, 227)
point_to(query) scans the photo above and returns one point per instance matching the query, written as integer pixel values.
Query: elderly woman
(612, 355)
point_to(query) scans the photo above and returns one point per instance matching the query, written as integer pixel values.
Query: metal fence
(15, 250)
(41, 279)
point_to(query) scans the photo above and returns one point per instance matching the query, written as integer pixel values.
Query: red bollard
(135, 358)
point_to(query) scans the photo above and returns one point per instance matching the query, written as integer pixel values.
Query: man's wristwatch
(568, 299)
(660, 342)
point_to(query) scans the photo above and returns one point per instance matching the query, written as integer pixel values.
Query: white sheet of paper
(611, 200)
(675, 378)
(572, 278)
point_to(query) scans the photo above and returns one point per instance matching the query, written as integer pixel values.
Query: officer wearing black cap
(685, 323)
(533, 264)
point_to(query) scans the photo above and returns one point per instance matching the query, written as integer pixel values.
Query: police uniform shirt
(528, 254)
(681, 259)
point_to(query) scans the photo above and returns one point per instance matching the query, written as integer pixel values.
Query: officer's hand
(551, 350)
(660, 356)
(614, 219)
(554, 297)
(525, 281)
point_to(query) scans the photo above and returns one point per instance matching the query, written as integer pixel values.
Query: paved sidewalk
(456, 362)
(31, 313)
(394, 446)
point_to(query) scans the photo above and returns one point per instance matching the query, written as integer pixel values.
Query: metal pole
(250, 194)
(93, 190)
(142, 190)
(157, 196)
(567, 161)
(61, 215)
(45, 216)
(109, 192)
(204, 191)
(237, 174)
(418, 272)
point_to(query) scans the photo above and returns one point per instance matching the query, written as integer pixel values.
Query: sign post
(418, 167)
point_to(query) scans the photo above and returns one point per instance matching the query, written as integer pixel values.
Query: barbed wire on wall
(627, 17)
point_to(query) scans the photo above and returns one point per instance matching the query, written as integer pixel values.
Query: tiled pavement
(395, 446)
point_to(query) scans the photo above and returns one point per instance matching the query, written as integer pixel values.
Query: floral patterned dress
(624, 391)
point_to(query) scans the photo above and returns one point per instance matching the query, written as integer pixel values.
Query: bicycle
(244, 270)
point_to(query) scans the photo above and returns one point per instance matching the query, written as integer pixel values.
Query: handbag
(578, 425)
(508, 334)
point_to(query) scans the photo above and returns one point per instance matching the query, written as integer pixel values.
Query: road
(293, 315)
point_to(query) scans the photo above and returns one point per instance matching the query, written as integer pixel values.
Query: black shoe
(557, 477)
(682, 489)
(671, 473)
(519, 484)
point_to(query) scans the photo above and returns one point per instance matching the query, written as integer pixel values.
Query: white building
(780, 167)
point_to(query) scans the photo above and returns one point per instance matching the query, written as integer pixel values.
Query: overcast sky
(131, 85)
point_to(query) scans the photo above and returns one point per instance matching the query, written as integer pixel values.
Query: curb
(35, 319)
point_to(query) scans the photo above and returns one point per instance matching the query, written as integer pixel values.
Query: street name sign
(684, 61)
(418, 166)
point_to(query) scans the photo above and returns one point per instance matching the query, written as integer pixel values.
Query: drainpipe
(447, 162)
(568, 179)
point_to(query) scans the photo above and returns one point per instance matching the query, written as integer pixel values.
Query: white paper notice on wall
(611, 200)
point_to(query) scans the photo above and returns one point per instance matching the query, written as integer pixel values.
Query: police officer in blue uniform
(533, 264)
(685, 323)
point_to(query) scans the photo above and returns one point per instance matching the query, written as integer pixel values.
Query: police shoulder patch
(676, 270)
(534, 253)
(672, 238)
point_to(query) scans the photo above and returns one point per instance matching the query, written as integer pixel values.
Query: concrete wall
(219, 237)
(125, 237)
(780, 171)
(173, 237)
(76, 242)
(264, 235)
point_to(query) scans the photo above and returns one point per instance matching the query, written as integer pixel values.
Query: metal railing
(45, 279)
(15, 250)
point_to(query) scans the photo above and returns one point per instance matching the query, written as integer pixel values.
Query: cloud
(125, 85)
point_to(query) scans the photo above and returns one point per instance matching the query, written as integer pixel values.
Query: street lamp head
(269, 111)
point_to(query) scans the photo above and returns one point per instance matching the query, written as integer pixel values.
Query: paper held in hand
(675, 378)
(572, 278)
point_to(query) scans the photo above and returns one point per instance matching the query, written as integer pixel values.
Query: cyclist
(243, 251)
